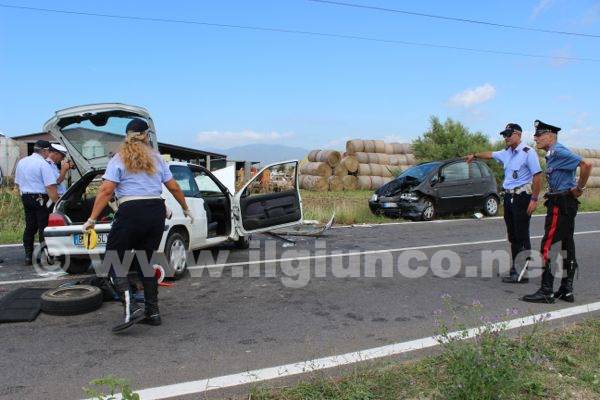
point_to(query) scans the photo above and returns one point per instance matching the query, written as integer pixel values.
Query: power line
(300, 32)
(455, 19)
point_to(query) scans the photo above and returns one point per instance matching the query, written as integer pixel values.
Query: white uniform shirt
(33, 174)
(61, 188)
(137, 184)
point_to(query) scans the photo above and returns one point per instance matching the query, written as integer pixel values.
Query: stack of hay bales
(593, 156)
(377, 161)
(328, 170)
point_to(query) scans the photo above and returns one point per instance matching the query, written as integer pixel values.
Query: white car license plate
(78, 239)
(389, 205)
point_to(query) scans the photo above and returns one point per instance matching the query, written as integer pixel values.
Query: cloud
(540, 7)
(230, 139)
(471, 97)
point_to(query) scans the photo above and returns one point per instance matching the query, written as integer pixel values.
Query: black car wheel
(490, 207)
(71, 300)
(429, 211)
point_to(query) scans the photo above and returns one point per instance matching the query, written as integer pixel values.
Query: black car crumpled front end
(396, 199)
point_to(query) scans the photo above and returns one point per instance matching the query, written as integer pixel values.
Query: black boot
(545, 294)
(513, 277)
(152, 314)
(565, 292)
(132, 313)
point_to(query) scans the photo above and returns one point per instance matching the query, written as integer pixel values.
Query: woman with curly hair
(136, 175)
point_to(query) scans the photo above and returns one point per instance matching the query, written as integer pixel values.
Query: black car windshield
(419, 172)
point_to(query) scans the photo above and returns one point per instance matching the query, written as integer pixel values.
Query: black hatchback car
(438, 187)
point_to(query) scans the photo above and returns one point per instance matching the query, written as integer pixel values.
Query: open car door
(270, 200)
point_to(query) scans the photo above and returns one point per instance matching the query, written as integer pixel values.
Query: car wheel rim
(491, 206)
(428, 213)
(178, 256)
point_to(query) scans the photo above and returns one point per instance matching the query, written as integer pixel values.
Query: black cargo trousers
(517, 224)
(138, 225)
(36, 219)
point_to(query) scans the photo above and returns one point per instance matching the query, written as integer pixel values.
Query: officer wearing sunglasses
(522, 185)
(562, 205)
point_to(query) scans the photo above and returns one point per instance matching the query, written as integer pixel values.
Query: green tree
(448, 140)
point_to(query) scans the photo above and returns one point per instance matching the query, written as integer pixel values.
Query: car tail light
(56, 219)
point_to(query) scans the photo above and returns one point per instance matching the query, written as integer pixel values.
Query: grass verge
(539, 365)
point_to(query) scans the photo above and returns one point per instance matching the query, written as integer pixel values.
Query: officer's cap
(542, 127)
(58, 148)
(136, 125)
(510, 129)
(42, 145)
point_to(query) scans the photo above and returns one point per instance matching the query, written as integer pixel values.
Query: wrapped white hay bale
(389, 148)
(362, 157)
(350, 162)
(376, 182)
(376, 169)
(316, 169)
(350, 182)
(364, 182)
(340, 170)
(379, 146)
(364, 169)
(355, 146)
(316, 183)
(369, 146)
(373, 158)
(335, 183)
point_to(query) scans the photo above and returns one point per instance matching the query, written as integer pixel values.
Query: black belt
(34, 194)
(564, 193)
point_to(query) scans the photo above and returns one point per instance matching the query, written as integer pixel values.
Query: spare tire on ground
(71, 300)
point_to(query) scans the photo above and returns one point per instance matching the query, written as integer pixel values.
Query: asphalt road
(250, 317)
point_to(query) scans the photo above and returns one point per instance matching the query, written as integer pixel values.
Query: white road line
(37, 280)
(260, 375)
(359, 253)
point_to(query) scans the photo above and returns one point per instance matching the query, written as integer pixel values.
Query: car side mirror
(434, 180)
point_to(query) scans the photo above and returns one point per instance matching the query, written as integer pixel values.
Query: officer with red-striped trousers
(562, 205)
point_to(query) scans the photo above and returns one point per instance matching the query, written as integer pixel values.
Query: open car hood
(92, 133)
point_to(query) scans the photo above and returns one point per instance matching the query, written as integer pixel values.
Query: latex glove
(89, 224)
(188, 214)
(169, 212)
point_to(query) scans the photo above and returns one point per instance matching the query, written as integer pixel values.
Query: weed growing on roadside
(114, 386)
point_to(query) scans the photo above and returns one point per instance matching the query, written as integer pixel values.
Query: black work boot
(513, 277)
(132, 313)
(28, 260)
(565, 292)
(152, 314)
(545, 294)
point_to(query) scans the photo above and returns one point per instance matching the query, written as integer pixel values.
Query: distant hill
(265, 153)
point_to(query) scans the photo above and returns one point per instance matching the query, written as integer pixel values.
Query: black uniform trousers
(36, 219)
(138, 225)
(559, 225)
(517, 223)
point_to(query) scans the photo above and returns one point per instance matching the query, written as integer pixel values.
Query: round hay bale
(386, 171)
(594, 161)
(364, 169)
(340, 170)
(389, 148)
(376, 182)
(387, 180)
(406, 148)
(410, 159)
(376, 169)
(362, 158)
(404, 167)
(394, 160)
(379, 146)
(351, 163)
(383, 159)
(350, 182)
(373, 158)
(593, 182)
(364, 182)
(315, 183)
(335, 184)
(369, 146)
(354, 146)
(312, 155)
(397, 148)
(316, 169)
(402, 159)
(331, 157)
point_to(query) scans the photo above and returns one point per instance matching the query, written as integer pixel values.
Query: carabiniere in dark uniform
(562, 205)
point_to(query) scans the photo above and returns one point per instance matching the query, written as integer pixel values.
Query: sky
(219, 87)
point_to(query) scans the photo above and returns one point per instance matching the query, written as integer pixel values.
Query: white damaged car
(93, 133)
